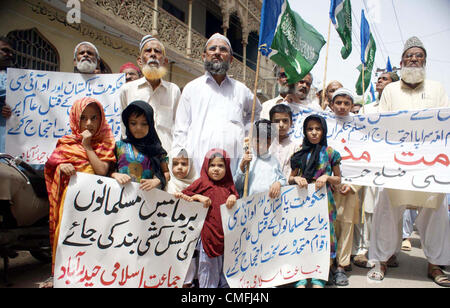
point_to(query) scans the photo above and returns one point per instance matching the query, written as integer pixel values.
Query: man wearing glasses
(412, 92)
(215, 110)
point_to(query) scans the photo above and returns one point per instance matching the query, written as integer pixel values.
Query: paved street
(412, 272)
(26, 272)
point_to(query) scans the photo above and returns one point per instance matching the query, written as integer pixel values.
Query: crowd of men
(214, 111)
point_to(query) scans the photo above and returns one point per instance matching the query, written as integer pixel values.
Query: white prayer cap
(85, 43)
(343, 91)
(220, 37)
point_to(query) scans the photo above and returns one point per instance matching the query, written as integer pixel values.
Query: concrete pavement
(412, 272)
(26, 272)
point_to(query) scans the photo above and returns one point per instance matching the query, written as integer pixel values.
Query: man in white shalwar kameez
(412, 92)
(214, 110)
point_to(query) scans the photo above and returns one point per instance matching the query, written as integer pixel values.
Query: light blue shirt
(264, 171)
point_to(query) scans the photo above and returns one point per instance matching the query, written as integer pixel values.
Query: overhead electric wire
(398, 24)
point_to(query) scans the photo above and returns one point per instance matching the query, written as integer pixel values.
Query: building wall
(52, 24)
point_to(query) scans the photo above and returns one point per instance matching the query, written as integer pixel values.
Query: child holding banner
(89, 148)
(182, 174)
(319, 163)
(214, 188)
(140, 156)
(264, 171)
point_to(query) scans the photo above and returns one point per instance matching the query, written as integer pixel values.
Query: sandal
(361, 261)
(47, 284)
(377, 272)
(392, 262)
(440, 279)
(406, 245)
(340, 279)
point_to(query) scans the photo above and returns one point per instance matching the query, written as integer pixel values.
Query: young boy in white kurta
(283, 147)
(264, 169)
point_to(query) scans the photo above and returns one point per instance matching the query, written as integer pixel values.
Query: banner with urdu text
(41, 102)
(403, 150)
(121, 236)
(271, 242)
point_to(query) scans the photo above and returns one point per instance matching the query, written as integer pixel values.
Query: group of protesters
(191, 144)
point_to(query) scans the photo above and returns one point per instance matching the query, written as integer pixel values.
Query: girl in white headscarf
(182, 173)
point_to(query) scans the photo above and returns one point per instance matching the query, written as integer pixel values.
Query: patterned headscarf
(69, 149)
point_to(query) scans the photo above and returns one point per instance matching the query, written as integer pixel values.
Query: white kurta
(264, 171)
(164, 101)
(267, 105)
(283, 151)
(214, 116)
(432, 223)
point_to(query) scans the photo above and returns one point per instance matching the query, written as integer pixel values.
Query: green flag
(296, 45)
(370, 60)
(341, 17)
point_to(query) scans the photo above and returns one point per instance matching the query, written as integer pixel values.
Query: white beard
(154, 72)
(86, 66)
(413, 75)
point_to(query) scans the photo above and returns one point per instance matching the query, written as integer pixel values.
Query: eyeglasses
(282, 75)
(418, 55)
(222, 49)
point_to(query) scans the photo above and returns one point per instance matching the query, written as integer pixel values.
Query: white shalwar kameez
(432, 221)
(211, 116)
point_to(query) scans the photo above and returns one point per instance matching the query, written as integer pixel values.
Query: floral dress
(327, 160)
(136, 166)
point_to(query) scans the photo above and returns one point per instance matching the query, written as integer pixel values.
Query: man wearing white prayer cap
(412, 92)
(214, 111)
(85, 58)
(162, 95)
(214, 108)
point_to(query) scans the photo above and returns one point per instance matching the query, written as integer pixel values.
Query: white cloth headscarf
(175, 184)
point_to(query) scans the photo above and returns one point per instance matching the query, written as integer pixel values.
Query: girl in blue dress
(140, 156)
(317, 163)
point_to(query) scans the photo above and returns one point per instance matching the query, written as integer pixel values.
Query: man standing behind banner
(284, 89)
(214, 109)
(86, 58)
(162, 95)
(383, 80)
(412, 92)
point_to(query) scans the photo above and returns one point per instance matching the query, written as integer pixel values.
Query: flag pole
(363, 216)
(363, 88)
(326, 63)
(252, 118)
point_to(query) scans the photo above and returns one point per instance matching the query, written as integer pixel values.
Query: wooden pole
(326, 63)
(363, 216)
(252, 118)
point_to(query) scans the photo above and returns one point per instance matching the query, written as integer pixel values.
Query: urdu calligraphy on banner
(407, 150)
(270, 242)
(41, 102)
(120, 236)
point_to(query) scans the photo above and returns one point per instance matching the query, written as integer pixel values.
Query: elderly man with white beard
(412, 92)
(215, 110)
(162, 95)
(85, 58)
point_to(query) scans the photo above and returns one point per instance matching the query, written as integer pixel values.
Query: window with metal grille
(33, 50)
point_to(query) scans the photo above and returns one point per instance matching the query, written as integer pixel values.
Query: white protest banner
(403, 150)
(41, 102)
(120, 236)
(270, 242)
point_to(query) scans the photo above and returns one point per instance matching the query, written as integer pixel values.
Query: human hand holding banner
(120, 236)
